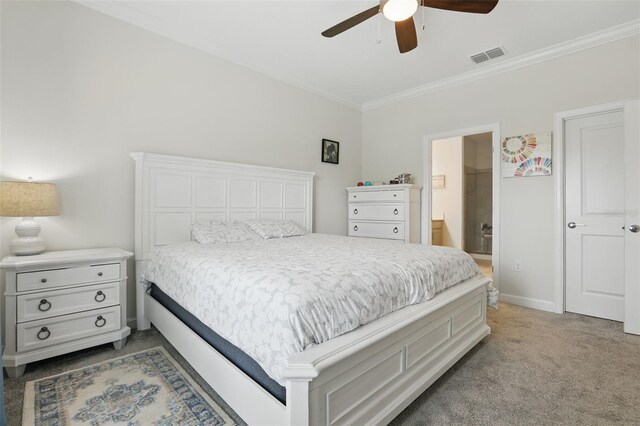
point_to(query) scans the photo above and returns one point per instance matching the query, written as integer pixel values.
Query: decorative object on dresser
(62, 301)
(28, 200)
(390, 212)
(330, 151)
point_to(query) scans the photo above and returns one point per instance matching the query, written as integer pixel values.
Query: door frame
(425, 213)
(559, 181)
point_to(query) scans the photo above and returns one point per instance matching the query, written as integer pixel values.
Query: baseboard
(528, 302)
(132, 323)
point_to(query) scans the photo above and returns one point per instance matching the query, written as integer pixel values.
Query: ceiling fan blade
(470, 6)
(406, 35)
(352, 22)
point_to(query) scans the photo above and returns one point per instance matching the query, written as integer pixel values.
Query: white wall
(80, 90)
(522, 100)
(447, 159)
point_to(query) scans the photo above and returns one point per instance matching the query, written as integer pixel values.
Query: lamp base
(28, 241)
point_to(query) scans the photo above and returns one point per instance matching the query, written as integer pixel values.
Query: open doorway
(460, 206)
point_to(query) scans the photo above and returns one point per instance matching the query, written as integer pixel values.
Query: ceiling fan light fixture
(399, 10)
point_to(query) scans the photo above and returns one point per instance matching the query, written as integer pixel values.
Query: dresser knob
(44, 333)
(354, 196)
(99, 274)
(44, 305)
(395, 195)
(100, 296)
(395, 211)
(395, 230)
(355, 228)
(43, 280)
(100, 321)
(355, 211)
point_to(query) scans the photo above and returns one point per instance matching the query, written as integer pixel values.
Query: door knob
(634, 228)
(574, 225)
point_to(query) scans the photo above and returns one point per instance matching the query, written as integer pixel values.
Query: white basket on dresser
(385, 211)
(59, 302)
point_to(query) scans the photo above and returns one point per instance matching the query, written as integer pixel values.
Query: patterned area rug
(144, 388)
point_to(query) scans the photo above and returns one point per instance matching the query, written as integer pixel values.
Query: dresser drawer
(376, 211)
(67, 276)
(388, 230)
(52, 331)
(60, 302)
(376, 196)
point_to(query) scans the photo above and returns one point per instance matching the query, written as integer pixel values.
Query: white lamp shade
(399, 10)
(28, 199)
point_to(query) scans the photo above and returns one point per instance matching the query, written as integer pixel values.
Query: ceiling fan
(401, 12)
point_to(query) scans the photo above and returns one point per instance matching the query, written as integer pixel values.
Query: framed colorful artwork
(526, 155)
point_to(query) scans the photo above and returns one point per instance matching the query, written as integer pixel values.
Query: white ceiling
(282, 38)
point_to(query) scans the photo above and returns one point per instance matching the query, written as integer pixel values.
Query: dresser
(63, 301)
(387, 211)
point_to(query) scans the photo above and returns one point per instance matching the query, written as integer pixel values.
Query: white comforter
(272, 298)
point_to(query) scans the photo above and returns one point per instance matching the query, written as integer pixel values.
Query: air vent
(480, 57)
(496, 52)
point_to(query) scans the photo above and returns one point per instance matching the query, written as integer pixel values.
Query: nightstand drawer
(386, 230)
(52, 331)
(376, 211)
(389, 195)
(62, 277)
(60, 302)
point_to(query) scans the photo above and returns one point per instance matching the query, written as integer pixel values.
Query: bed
(365, 375)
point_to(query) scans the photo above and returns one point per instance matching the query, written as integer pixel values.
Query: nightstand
(63, 301)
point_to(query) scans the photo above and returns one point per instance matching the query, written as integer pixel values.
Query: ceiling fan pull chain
(422, 11)
(378, 39)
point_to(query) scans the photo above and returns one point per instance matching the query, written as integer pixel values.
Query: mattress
(272, 298)
(241, 360)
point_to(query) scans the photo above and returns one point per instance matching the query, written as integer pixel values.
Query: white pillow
(275, 228)
(216, 232)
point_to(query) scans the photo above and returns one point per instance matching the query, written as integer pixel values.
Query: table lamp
(28, 200)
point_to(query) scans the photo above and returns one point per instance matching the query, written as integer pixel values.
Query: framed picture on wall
(527, 155)
(330, 151)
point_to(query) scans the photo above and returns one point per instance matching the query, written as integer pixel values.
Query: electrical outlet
(517, 265)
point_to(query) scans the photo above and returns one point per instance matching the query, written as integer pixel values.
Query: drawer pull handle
(99, 274)
(43, 280)
(395, 195)
(354, 196)
(41, 333)
(100, 296)
(100, 321)
(355, 228)
(395, 211)
(395, 230)
(355, 211)
(44, 305)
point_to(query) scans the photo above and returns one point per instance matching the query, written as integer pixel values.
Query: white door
(632, 223)
(595, 215)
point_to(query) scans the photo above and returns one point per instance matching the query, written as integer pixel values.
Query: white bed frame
(367, 376)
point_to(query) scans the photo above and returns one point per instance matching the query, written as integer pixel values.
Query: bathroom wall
(447, 157)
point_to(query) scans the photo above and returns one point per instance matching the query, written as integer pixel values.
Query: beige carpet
(537, 368)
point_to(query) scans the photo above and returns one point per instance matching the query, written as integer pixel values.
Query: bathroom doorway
(478, 198)
(460, 204)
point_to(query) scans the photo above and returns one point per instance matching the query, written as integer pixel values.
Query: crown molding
(588, 41)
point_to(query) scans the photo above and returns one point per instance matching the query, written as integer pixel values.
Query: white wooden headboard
(173, 192)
